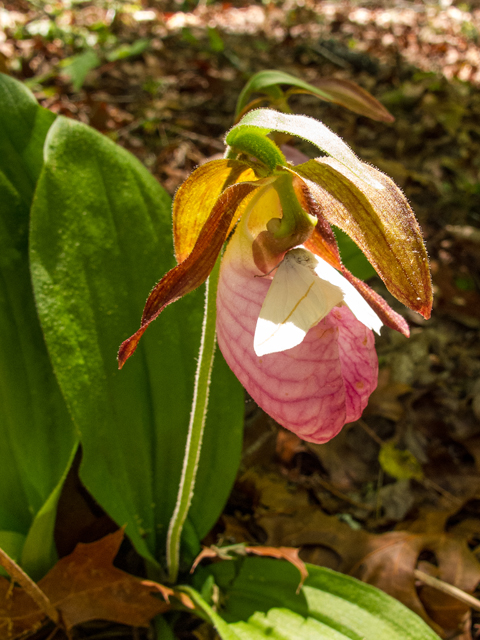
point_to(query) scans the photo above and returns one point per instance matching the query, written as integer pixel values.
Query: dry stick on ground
(317, 480)
(455, 592)
(33, 590)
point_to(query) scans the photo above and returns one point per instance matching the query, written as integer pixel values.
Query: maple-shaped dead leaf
(85, 586)
(281, 553)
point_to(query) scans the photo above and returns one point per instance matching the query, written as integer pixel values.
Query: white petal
(351, 297)
(296, 301)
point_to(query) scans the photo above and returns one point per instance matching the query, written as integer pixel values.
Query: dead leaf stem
(341, 496)
(29, 586)
(370, 432)
(455, 592)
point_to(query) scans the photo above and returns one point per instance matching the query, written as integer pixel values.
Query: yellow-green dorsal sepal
(253, 141)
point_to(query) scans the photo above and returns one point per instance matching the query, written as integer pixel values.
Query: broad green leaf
(352, 257)
(162, 629)
(263, 80)
(260, 601)
(36, 555)
(225, 630)
(12, 543)
(100, 238)
(37, 435)
(23, 127)
(311, 130)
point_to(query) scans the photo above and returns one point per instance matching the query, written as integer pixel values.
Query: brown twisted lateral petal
(384, 311)
(322, 241)
(196, 197)
(381, 223)
(195, 269)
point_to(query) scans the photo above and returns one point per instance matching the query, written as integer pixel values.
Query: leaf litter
(169, 101)
(86, 586)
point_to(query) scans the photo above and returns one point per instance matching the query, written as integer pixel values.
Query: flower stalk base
(196, 426)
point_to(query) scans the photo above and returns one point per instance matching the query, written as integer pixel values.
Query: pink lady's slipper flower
(293, 323)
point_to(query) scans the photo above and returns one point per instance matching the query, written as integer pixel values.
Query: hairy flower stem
(196, 426)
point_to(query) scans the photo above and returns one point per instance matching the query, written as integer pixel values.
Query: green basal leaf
(254, 142)
(36, 432)
(260, 601)
(311, 130)
(23, 127)
(225, 630)
(36, 555)
(12, 543)
(353, 257)
(343, 92)
(101, 236)
(264, 80)
(162, 629)
(350, 95)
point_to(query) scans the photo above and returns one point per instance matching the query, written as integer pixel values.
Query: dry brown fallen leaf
(387, 561)
(384, 401)
(85, 586)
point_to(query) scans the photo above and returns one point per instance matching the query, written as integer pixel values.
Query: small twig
(370, 432)
(455, 592)
(53, 634)
(258, 443)
(461, 232)
(443, 492)
(329, 55)
(29, 586)
(378, 501)
(342, 496)
(197, 137)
